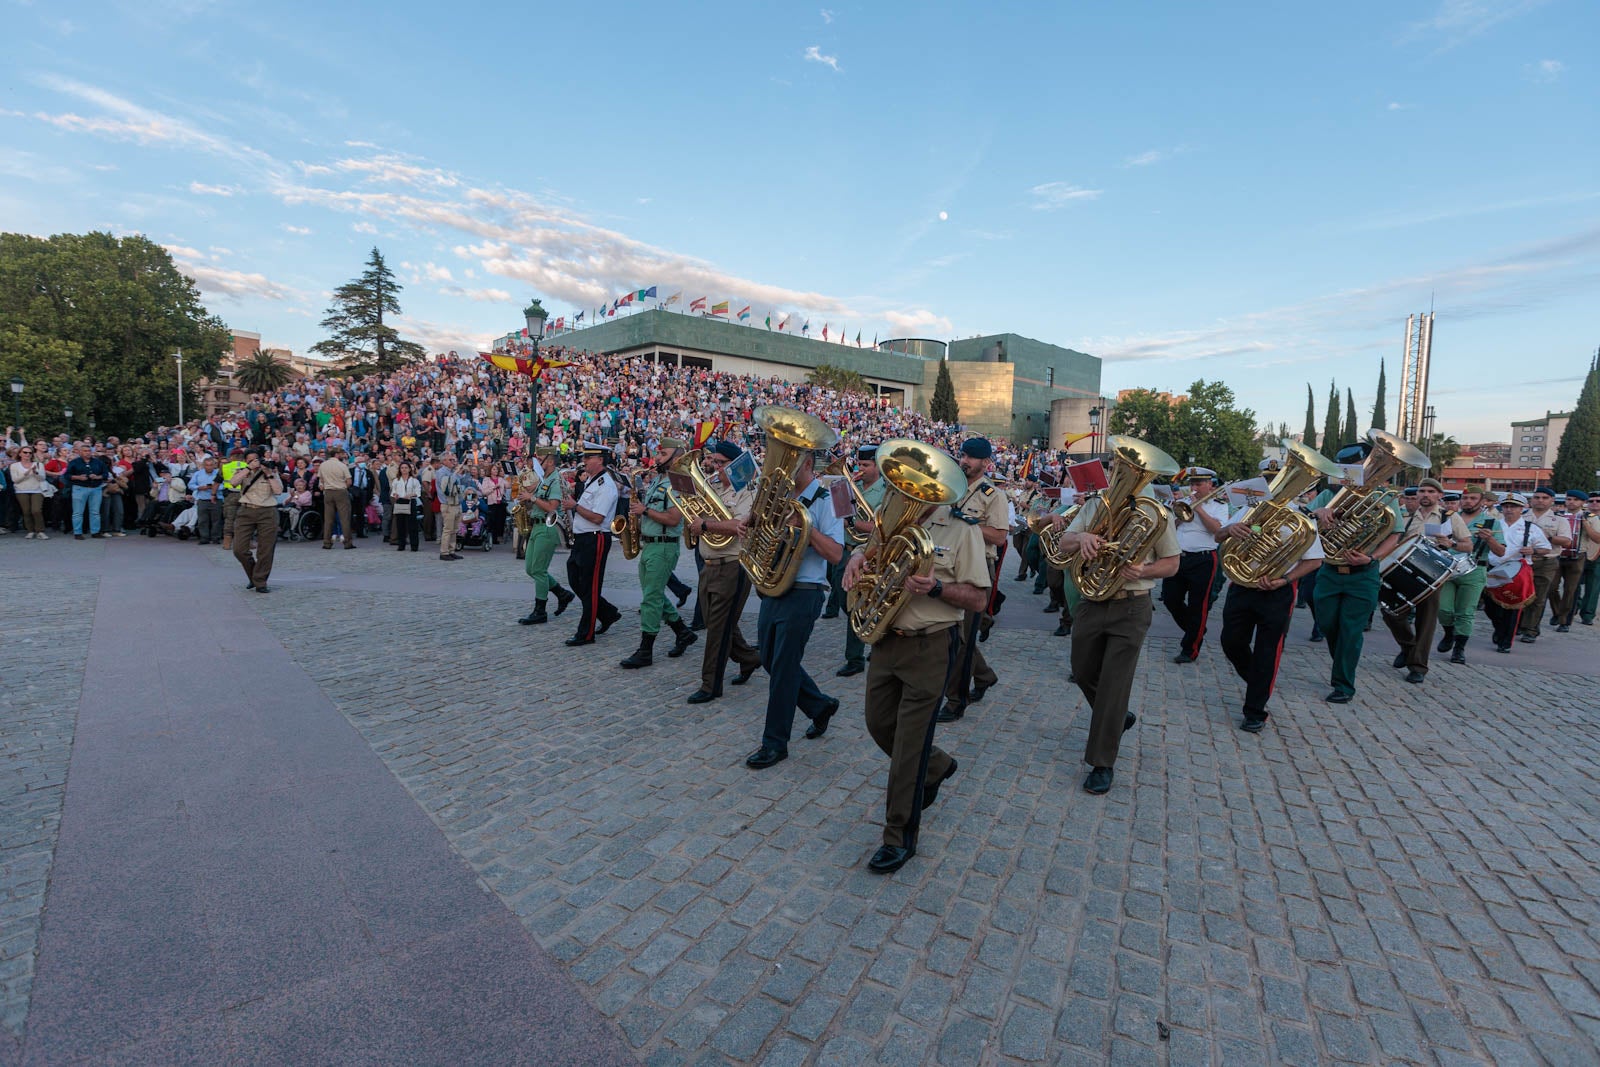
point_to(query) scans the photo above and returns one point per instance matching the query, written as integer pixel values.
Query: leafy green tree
(122, 306)
(355, 318)
(943, 407)
(1308, 436)
(1578, 455)
(841, 379)
(1350, 429)
(1331, 437)
(1144, 414)
(51, 375)
(262, 372)
(1378, 418)
(1207, 426)
(1442, 450)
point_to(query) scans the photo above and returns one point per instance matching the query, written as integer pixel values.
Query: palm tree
(262, 373)
(1443, 450)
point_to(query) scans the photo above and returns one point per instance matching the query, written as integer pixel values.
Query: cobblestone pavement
(1408, 879)
(48, 619)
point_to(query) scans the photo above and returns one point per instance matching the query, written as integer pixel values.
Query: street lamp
(1094, 431)
(535, 316)
(179, 357)
(68, 413)
(17, 386)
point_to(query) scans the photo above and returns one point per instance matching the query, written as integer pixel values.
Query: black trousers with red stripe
(1187, 595)
(1254, 624)
(586, 570)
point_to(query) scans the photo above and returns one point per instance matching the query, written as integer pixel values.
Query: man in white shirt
(1524, 540)
(593, 508)
(1187, 594)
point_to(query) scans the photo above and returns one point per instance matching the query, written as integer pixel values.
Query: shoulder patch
(986, 488)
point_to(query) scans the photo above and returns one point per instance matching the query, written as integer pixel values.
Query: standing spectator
(405, 492)
(58, 514)
(335, 479)
(232, 472)
(206, 487)
(87, 474)
(360, 496)
(112, 501)
(447, 486)
(257, 521)
(430, 502)
(28, 482)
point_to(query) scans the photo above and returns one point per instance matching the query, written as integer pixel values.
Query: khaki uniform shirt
(1591, 537)
(957, 557)
(738, 503)
(1165, 545)
(1418, 519)
(333, 474)
(263, 492)
(1554, 524)
(989, 506)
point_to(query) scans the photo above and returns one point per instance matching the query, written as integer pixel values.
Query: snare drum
(1410, 573)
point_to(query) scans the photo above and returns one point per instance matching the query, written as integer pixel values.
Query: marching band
(912, 543)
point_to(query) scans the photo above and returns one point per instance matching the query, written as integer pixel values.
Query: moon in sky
(944, 216)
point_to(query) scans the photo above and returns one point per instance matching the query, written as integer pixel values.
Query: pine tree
(1350, 430)
(943, 408)
(1308, 436)
(1331, 438)
(1378, 420)
(1578, 456)
(355, 318)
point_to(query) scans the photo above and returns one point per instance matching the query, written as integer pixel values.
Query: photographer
(257, 519)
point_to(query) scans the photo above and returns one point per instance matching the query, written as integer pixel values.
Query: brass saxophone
(626, 527)
(921, 478)
(1363, 515)
(780, 526)
(703, 503)
(1127, 523)
(853, 537)
(1279, 532)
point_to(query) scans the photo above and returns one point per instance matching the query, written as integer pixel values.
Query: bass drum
(1409, 574)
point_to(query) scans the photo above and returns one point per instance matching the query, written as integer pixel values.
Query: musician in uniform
(593, 504)
(1255, 620)
(985, 507)
(1187, 594)
(1024, 540)
(785, 623)
(1347, 592)
(1413, 631)
(908, 665)
(1459, 595)
(543, 501)
(1522, 539)
(1108, 636)
(1570, 564)
(724, 587)
(871, 486)
(660, 526)
(1590, 546)
(1546, 561)
(524, 484)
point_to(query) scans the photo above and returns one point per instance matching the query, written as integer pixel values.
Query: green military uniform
(543, 539)
(1346, 598)
(658, 555)
(1458, 597)
(855, 650)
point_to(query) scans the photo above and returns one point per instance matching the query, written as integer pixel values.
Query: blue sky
(1257, 193)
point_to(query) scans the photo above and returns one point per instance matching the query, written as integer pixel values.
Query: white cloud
(1395, 105)
(202, 189)
(301, 230)
(1546, 70)
(485, 296)
(1456, 21)
(436, 273)
(393, 169)
(827, 16)
(1053, 196)
(919, 323)
(814, 54)
(126, 121)
(235, 284)
(363, 227)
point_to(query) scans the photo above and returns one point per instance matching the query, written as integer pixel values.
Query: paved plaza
(368, 818)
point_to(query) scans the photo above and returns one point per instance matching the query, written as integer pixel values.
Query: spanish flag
(523, 365)
(1073, 438)
(703, 431)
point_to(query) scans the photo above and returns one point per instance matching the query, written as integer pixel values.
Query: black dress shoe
(1563, 629)
(1446, 641)
(1416, 677)
(1099, 781)
(1399, 659)
(1502, 648)
(930, 790)
(830, 614)
(819, 725)
(534, 617)
(1337, 697)
(1051, 608)
(576, 641)
(949, 713)
(1063, 630)
(1253, 725)
(889, 859)
(764, 757)
(1130, 722)
(606, 623)
(262, 589)
(700, 696)
(249, 587)
(850, 670)
(1315, 636)
(978, 690)
(683, 597)
(1183, 657)
(745, 675)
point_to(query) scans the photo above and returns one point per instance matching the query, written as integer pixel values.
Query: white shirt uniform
(1523, 531)
(1193, 535)
(599, 494)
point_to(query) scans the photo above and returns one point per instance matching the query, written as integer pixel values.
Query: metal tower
(1411, 426)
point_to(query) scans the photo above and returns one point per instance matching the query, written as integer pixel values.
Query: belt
(1342, 568)
(720, 561)
(658, 540)
(1201, 552)
(921, 633)
(810, 585)
(1128, 594)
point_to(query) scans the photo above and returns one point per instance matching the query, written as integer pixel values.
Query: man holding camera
(257, 520)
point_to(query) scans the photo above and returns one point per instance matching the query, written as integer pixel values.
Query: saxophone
(922, 478)
(626, 527)
(1279, 532)
(1127, 523)
(780, 526)
(1363, 515)
(702, 503)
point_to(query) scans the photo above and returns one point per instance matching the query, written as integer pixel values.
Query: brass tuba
(1050, 545)
(780, 526)
(1127, 523)
(702, 503)
(1363, 515)
(853, 537)
(921, 479)
(1279, 532)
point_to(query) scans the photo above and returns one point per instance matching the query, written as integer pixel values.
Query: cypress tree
(943, 407)
(1331, 439)
(1378, 421)
(1351, 432)
(1578, 456)
(1308, 436)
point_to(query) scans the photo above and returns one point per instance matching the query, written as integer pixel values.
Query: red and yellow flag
(1073, 438)
(522, 364)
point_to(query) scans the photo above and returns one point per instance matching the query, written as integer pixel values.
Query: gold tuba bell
(921, 479)
(1279, 532)
(703, 503)
(1127, 523)
(1050, 545)
(780, 526)
(1363, 515)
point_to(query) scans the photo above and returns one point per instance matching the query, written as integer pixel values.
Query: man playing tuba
(986, 508)
(724, 588)
(871, 488)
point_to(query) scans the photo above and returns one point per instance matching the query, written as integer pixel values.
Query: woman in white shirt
(1522, 540)
(28, 481)
(406, 492)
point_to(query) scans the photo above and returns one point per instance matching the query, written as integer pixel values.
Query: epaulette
(987, 488)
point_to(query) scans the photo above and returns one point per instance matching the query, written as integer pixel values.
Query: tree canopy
(840, 378)
(356, 320)
(1578, 455)
(92, 321)
(1204, 425)
(1379, 419)
(1308, 436)
(943, 407)
(262, 372)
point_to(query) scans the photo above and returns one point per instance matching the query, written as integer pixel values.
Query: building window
(1049, 376)
(695, 362)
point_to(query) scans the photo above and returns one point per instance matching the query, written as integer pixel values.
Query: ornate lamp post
(535, 316)
(1094, 431)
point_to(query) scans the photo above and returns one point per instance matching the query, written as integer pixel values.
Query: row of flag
(703, 305)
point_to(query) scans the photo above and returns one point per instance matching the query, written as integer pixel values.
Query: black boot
(537, 615)
(563, 598)
(686, 637)
(1459, 654)
(1447, 640)
(644, 655)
